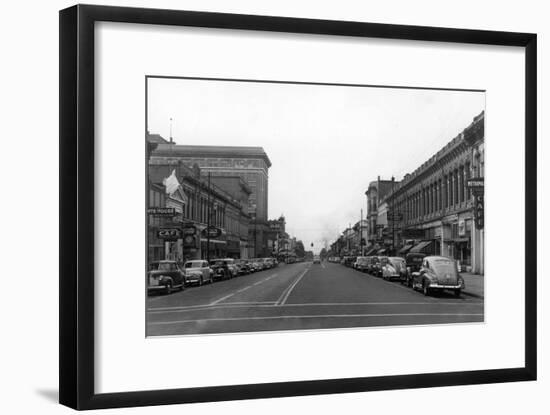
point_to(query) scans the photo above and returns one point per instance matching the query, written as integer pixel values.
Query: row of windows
(448, 192)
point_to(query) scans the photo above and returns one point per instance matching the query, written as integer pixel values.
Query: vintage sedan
(349, 260)
(377, 264)
(224, 268)
(165, 276)
(361, 263)
(243, 266)
(197, 272)
(438, 273)
(255, 266)
(394, 269)
(413, 261)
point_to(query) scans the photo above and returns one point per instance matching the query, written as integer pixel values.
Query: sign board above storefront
(161, 211)
(476, 182)
(189, 230)
(211, 232)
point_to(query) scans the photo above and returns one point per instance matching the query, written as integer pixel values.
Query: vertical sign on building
(477, 186)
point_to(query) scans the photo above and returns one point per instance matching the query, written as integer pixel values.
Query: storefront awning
(370, 252)
(421, 246)
(405, 249)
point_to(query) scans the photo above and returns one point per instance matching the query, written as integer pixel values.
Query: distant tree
(323, 254)
(299, 249)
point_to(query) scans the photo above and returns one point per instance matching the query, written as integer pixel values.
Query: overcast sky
(326, 143)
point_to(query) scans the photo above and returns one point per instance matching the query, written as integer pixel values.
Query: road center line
(219, 300)
(270, 304)
(284, 296)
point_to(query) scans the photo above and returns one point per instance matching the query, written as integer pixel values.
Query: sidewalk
(474, 284)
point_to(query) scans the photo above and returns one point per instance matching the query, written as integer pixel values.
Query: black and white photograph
(281, 205)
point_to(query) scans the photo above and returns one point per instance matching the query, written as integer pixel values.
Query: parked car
(376, 268)
(438, 273)
(197, 272)
(270, 262)
(361, 263)
(349, 260)
(394, 268)
(316, 259)
(165, 276)
(263, 263)
(243, 266)
(255, 266)
(224, 268)
(413, 262)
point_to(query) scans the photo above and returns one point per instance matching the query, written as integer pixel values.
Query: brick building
(202, 204)
(249, 163)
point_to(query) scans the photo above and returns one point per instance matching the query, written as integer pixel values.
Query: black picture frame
(76, 279)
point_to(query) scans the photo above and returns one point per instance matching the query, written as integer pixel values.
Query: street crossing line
(284, 296)
(158, 323)
(219, 300)
(275, 304)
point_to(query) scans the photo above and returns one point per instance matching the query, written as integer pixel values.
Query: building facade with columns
(435, 204)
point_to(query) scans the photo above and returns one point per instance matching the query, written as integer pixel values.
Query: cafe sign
(169, 234)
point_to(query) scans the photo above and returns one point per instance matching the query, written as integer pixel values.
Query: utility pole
(392, 216)
(349, 240)
(361, 232)
(208, 221)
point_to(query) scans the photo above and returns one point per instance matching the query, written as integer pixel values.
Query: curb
(470, 294)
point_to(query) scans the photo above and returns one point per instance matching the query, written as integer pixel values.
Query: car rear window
(193, 264)
(443, 266)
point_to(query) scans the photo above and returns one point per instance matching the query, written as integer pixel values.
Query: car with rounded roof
(438, 273)
(197, 271)
(394, 268)
(224, 268)
(165, 276)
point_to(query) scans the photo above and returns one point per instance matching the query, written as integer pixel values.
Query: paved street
(303, 296)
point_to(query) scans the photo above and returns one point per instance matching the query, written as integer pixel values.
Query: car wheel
(425, 289)
(200, 282)
(457, 293)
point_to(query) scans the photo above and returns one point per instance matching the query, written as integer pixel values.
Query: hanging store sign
(169, 234)
(189, 230)
(479, 210)
(212, 232)
(476, 184)
(161, 211)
